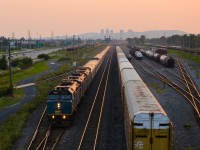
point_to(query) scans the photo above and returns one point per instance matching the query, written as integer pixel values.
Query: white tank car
(149, 53)
(146, 124)
(168, 61)
(138, 55)
(156, 56)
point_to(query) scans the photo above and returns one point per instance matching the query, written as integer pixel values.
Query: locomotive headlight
(53, 117)
(64, 117)
(58, 105)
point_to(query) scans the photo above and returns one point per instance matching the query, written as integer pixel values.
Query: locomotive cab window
(53, 97)
(65, 97)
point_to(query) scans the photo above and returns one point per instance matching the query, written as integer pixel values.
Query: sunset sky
(81, 16)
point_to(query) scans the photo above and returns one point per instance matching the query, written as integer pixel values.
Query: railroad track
(45, 137)
(187, 93)
(91, 130)
(55, 77)
(190, 86)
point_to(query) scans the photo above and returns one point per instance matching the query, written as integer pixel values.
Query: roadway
(31, 53)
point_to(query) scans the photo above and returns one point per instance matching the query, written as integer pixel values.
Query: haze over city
(76, 17)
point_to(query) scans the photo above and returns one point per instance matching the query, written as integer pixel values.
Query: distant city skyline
(78, 17)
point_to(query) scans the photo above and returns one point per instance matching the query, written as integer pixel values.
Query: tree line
(185, 41)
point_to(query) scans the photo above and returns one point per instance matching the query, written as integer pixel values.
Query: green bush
(25, 63)
(6, 91)
(45, 56)
(15, 62)
(3, 63)
(22, 63)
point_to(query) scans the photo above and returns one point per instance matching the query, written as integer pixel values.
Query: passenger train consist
(147, 126)
(64, 99)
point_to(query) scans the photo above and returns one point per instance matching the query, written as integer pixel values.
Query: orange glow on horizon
(81, 16)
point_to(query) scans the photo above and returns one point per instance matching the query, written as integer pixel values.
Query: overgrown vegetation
(18, 76)
(157, 88)
(10, 130)
(186, 55)
(187, 126)
(10, 100)
(3, 63)
(184, 41)
(23, 63)
(45, 56)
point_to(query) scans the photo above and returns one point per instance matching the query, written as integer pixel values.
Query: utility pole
(29, 38)
(10, 71)
(66, 41)
(1, 45)
(195, 47)
(73, 47)
(78, 47)
(189, 43)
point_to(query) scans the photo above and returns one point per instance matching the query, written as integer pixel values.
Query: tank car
(147, 126)
(149, 54)
(168, 61)
(129, 56)
(138, 55)
(143, 51)
(65, 97)
(156, 56)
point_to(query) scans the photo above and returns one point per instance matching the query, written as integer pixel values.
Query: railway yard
(173, 89)
(97, 121)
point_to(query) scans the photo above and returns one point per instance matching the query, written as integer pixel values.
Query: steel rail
(91, 110)
(37, 129)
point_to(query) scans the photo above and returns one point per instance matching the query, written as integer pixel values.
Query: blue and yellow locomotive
(64, 99)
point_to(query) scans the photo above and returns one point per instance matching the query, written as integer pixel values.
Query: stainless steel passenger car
(147, 126)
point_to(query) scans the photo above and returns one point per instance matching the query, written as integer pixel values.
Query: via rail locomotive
(147, 126)
(64, 99)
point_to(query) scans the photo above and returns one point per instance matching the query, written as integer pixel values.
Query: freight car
(163, 59)
(137, 54)
(147, 126)
(64, 99)
(149, 53)
(168, 61)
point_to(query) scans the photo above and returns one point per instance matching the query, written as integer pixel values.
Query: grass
(7, 101)
(67, 56)
(187, 126)
(186, 55)
(157, 88)
(189, 57)
(10, 130)
(16, 77)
